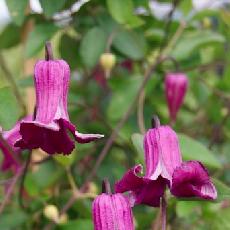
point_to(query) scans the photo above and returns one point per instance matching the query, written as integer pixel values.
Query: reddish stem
(48, 51)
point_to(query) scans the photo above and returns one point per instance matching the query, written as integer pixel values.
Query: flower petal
(191, 179)
(80, 137)
(162, 152)
(130, 181)
(9, 138)
(112, 212)
(47, 138)
(142, 190)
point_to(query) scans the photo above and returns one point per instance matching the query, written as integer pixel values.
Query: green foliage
(13, 220)
(9, 108)
(130, 43)
(195, 40)
(36, 39)
(10, 36)
(17, 10)
(51, 6)
(90, 50)
(194, 150)
(122, 12)
(77, 224)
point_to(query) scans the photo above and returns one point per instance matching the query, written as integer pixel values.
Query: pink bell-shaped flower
(51, 128)
(112, 211)
(164, 167)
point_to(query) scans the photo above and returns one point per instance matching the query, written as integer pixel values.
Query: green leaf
(122, 98)
(17, 10)
(10, 36)
(47, 174)
(195, 40)
(51, 6)
(9, 109)
(194, 150)
(92, 46)
(223, 191)
(186, 209)
(12, 220)
(83, 224)
(37, 38)
(123, 12)
(65, 160)
(68, 48)
(130, 43)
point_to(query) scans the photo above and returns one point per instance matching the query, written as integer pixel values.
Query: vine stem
(11, 189)
(163, 213)
(24, 172)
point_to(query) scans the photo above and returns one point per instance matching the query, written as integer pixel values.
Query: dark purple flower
(112, 211)
(164, 167)
(162, 156)
(176, 85)
(51, 127)
(191, 179)
(7, 141)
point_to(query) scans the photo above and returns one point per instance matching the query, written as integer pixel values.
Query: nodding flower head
(51, 127)
(176, 85)
(164, 167)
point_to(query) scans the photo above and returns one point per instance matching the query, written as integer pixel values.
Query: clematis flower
(176, 85)
(7, 141)
(112, 211)
(51, 128)
(164, 167)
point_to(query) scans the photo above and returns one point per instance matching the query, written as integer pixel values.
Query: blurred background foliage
(133, 30)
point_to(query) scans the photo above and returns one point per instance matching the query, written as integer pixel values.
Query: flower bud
(176, 85)
(112, 211)
(107, 61)
(51, 212)
(63, 219)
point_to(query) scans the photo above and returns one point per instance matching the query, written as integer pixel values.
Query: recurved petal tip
(85, 138)
(191, 179)
(130, 181)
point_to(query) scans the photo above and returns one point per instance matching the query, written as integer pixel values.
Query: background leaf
(195, 40)
(51, 6)
(92, 46)
(37, 38)
(17, 10)
(9, 109)
(10, 36)
(123, 12)
(194, 150)
(130, 43)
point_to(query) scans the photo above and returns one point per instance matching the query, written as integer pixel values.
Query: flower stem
(106, 186)
(155, 122)
(48, 51)
(163, 213)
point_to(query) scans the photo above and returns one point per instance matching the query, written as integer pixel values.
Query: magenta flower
(112, 211)
(51, 126)
(7, 141)
(176, 85)
(164, 167)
